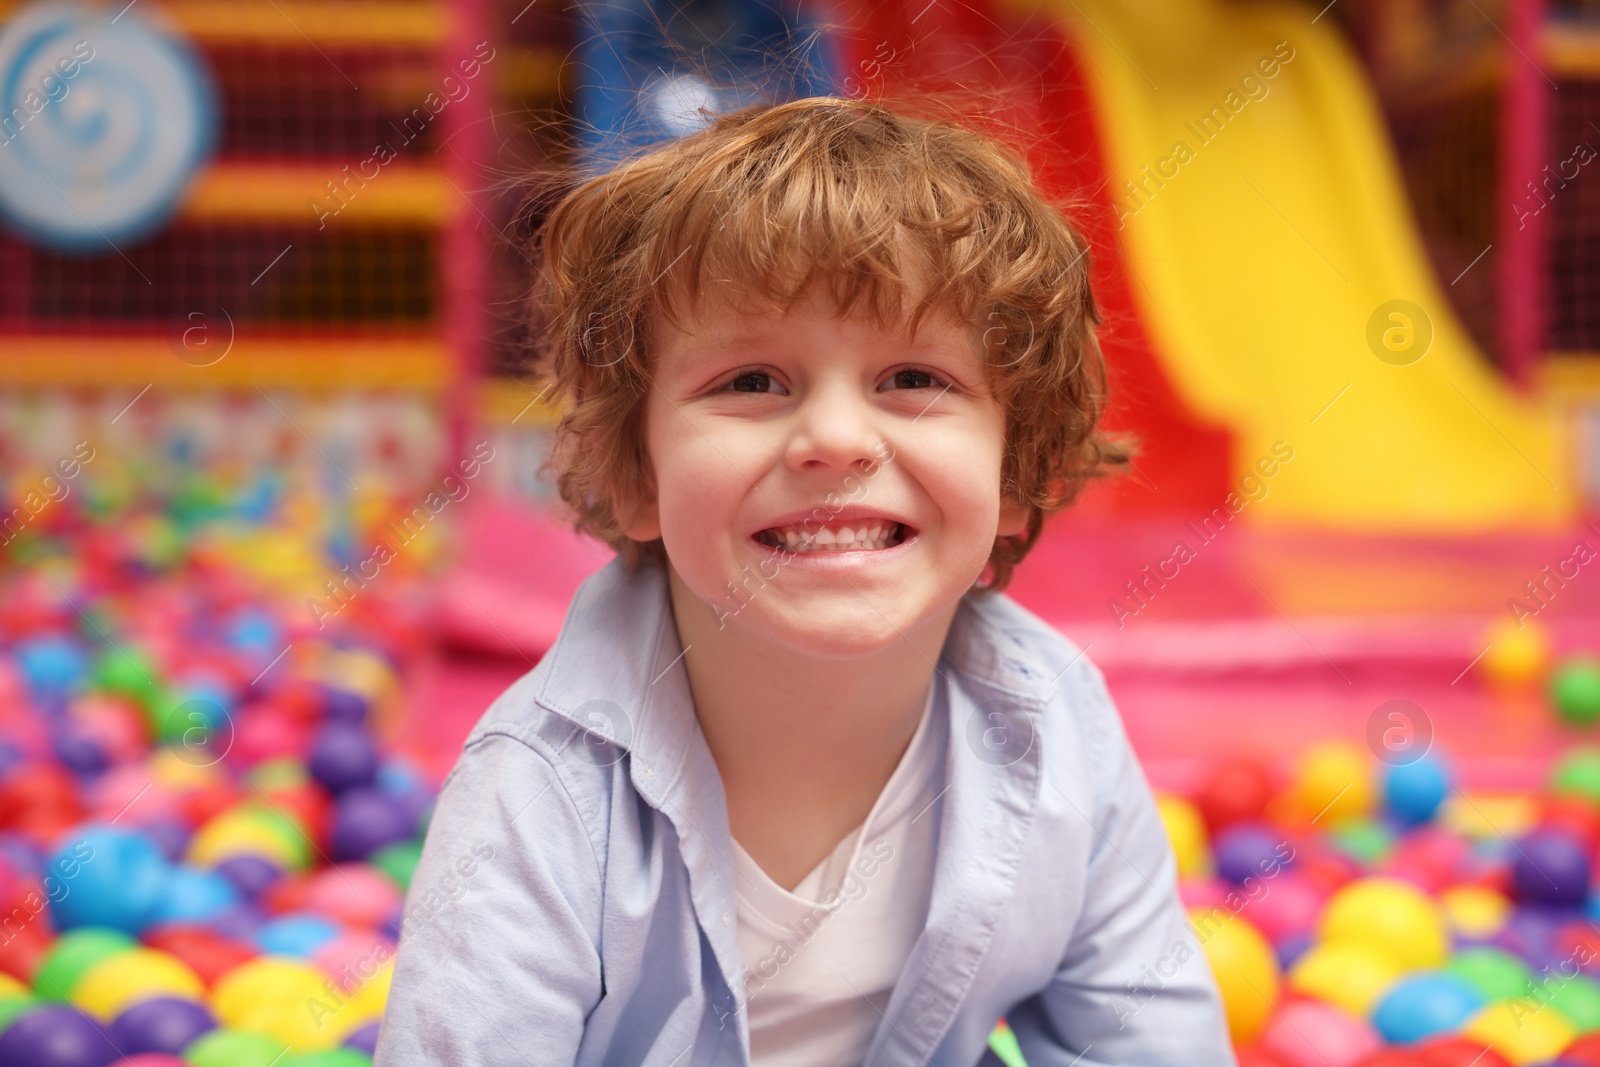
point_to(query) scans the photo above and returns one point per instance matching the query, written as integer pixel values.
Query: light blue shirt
(575, 899)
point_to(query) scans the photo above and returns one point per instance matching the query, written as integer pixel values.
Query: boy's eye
(754, 381)
(913, 379)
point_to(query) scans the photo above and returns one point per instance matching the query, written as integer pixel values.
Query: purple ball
(1248, 850)
(251, 875)
(165, 1024)
(344, 757)
(1551, 867)
(364, 1039)
(365, 820)
(55, 1036)
(343, 706)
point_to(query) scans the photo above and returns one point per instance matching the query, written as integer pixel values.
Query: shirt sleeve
(498, 956)
(1134, 988)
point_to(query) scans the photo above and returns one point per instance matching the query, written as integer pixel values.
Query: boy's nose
(835, 427)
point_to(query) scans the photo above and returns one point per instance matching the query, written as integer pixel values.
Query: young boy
(796, 785)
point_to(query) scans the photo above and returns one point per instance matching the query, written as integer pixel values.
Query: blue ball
(116, 878)
(297, 934)
(1426, 1003)
(52, 666)
(1415, 791)
(196, 896)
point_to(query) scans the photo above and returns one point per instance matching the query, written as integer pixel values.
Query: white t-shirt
(821, 961)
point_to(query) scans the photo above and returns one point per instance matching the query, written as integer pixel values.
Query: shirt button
(725, 919)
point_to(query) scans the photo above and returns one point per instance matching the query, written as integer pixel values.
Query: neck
(793, 733)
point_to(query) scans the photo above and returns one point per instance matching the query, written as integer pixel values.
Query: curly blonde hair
(891, 213)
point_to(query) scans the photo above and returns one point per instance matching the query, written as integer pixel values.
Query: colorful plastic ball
(300, 935)
(1288, 907)
(269, 995)
(74, 953)
(55, 1036)
(151, 1059)
(398, 861)
(1187, 834)
(1426, 1003)
(205, 950)
(1334, 783)
(52, 667)
(334, 1057)
(1305, 1033)
(1393, 917)
(1551, 867)
(364, 1039)
(1576, 997)
(1520, 1029)
(1475, 911)
(249, 831)
(1585, 1050)
(1353, 976)
(1575, 691)
(1457, 1051)
(1366, 841)
(196, 895)
(1413, 791)
(234, 1048)
(1577, 773)
(1518, 651)
(250, 875)
(1498, 974)
(114, 984)
(1250, 851)
(1237, 790)
(1571, 815)
(344, 757)
(364, 821)
(1245, 969)
(161, 1024)
(121, 883)
(356, 894)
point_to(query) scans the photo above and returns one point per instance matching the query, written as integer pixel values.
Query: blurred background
(275, 532)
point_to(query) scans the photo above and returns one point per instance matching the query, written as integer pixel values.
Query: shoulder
(1004, 646)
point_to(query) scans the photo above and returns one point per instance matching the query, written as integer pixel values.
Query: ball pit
(175, 787)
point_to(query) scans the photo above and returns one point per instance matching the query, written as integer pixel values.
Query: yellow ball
(1475, 911)
(286, 999)
(366, 1004)
(1187, 832)
(1353, 977)
(1334, 784)
(11, 989)
(170, 768)
(1517, 655)
(1521, 1029)
(118, 982)
(1395, 918)
(1245, 967)
(241, 832)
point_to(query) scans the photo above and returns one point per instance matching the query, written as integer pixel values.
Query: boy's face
(771, 435)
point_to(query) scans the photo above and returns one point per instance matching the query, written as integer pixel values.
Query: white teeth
(846, 538)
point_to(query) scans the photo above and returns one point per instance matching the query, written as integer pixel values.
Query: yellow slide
(1283, 281)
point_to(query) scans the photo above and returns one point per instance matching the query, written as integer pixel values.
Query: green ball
(128, 672)
(233, 1048)
(74, 953)
(1364, 840)
(1496, 974)
(1578, 998)
(13, 1008)
(398, 861)
(333, 1057)
(1575, 691)
(1577, 774)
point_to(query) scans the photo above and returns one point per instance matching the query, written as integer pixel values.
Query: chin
(834, 631)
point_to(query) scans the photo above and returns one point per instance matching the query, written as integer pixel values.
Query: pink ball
(1309, 1033)
(1288, 906)
(353, 894)
(1204, 893)
(1430, 857)
(128, 791)
(150, 1059)
(354, 956)
(115, 726)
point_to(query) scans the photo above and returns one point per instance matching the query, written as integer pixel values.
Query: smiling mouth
(855, 537)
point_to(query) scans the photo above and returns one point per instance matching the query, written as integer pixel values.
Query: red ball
(1393, 1057)
(209, 954)
(1584, 1050)
(1254, 1056)
(1456, 1051)
(1572, 815)
(1237, 790)
(202, 805)
(264, 733)
(308, 805)
(38, 795)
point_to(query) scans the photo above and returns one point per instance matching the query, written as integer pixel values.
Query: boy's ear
(1013, 519)
(639, 516)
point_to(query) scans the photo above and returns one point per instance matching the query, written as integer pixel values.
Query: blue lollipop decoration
(104, 121)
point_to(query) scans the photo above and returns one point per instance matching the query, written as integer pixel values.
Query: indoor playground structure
(274, 532)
